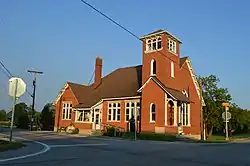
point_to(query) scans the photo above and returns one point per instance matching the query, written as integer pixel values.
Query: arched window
(172, 69)
(152, 112)
(159, 43)
(148, 46)
(184, 111)
(154, 44)
(153, 67)
(171, 112)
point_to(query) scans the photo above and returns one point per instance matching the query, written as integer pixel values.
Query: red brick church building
(162, 92)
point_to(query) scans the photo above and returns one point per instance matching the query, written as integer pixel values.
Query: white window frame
(172, 69)
(151, 41)
(184, 115)
(114, 108)
(153, 61)
(151, 113)
(172, 45)
(66, 110)
(131, 109)
(81, 112)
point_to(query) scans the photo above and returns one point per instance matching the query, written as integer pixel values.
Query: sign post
(135, 116)
(17, 88)
(226, 116)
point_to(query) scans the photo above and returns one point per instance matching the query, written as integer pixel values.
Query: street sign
(228, 116)
(17, 87)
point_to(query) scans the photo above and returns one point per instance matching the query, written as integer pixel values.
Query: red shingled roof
(123, 82)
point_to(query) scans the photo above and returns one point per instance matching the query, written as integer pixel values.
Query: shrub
(110, 131)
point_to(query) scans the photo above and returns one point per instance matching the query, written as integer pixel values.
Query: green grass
(6, 145)
(151, 136)
(221, 138)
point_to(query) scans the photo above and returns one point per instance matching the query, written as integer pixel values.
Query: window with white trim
(83, 116)
(153, 44)
(66, 110)
(185, 112)
(153, 67)
(172, 69)
(172, 45)
(152, 112)
(130, 110)
(114, 112)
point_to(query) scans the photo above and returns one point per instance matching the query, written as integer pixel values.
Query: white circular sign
(16, 85)
(228, 116)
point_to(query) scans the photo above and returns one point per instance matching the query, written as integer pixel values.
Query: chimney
(98, 71)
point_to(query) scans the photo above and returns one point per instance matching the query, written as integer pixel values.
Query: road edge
(45, 149)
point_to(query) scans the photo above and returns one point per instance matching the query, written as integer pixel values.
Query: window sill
(66, 119)
(113, 121)
(146, 52)
(152, 122)
(82, 122)
(173, 53)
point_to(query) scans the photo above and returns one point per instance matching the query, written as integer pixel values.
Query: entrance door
(97, 119)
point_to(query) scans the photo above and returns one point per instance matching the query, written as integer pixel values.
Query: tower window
(153, 67)
(172, 69)
(153, 44)
(149, 45)
(171, 45)
(159, 43)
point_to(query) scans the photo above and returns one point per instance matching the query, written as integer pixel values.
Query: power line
(125, 29)
(91, 78)
(7, 72)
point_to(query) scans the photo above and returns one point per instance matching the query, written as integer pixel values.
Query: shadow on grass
(6, 145)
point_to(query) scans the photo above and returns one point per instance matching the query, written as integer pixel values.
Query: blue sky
(62, 39)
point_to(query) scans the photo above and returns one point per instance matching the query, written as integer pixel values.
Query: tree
(21, 119)
(213, 97)
(3, 115)
(47, 117)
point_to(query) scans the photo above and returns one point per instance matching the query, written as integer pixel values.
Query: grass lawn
(151, 136)
(5, 145)
(221, 138)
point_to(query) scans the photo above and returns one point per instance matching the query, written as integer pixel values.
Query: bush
(110, 131)
(23, 122)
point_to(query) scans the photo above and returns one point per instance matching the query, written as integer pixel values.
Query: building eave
(159, 33)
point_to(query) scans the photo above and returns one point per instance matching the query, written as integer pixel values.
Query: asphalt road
(71, 151)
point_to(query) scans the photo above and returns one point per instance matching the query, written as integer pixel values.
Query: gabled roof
(174, 93)
(123, 82)
(183, 60)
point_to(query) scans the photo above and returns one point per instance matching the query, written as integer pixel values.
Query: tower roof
(158, 32)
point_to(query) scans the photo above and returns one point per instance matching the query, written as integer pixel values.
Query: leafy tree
(21, 119)
(213, 97)
(47, 117)
(3, 115)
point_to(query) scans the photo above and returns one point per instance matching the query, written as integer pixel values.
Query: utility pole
(33, 96)
(201, 111)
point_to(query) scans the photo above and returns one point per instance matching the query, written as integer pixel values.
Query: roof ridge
(69, 82)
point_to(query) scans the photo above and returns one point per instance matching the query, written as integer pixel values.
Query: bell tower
(161, 56)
